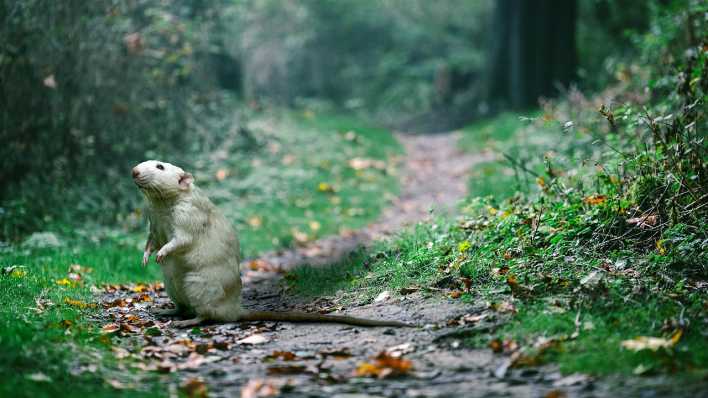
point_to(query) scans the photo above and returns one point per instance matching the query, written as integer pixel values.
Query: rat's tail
(299, 316)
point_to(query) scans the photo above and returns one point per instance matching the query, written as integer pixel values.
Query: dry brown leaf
(194, 388)
(383, 366)
(594, 200)
(283, 355)
(641, 343)
(110, 328)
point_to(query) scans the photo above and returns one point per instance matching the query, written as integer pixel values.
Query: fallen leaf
(336, 353)
(259, 388)
(641, 343)
(555, 394)
(383, 296)
(255, 222)
(284, 355)
(455, 294)
(383, 366)
(50, 82)
(660, 247)
(571, 380)
(79, 303)
(194, 388)
(504, 307)
(110, 328)
(118, 385)
(496, 345)
(400, 350)
(363, 163)
(15, 271)
(325, 187)
(314, 226)
(254, 339)
(299, 236)
(595, 200)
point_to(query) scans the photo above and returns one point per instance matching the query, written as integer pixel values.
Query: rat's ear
(185, 180)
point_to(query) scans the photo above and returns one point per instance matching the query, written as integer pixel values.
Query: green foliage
(296, 180)
(90, 89)
(391, 58)
(612, 241)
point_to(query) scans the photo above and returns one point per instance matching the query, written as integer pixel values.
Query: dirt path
(319, 360)
(433, 178)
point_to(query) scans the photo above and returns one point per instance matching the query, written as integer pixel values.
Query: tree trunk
(533, 50)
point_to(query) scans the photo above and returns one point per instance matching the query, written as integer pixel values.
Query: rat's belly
(174, 283)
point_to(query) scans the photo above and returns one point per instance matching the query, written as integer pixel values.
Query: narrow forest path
(433, 179)
(320, 360)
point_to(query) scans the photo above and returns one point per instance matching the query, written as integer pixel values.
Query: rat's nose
(136, 173)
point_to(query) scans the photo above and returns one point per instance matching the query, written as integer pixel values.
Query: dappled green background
(591, 111)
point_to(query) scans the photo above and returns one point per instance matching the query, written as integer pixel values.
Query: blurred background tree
(89, 88)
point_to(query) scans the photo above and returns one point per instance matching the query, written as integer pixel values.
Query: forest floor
(332, 360)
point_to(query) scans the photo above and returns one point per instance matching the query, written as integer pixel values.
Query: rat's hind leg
(210, 301)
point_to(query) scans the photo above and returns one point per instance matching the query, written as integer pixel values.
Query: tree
(533, 50)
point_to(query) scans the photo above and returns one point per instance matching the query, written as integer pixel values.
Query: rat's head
(160, 180)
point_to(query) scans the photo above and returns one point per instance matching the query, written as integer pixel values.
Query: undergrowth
(604, 235)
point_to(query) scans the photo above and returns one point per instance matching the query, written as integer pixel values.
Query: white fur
(198, 247)
(199, 252)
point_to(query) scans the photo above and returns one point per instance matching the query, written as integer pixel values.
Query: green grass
(414, 258)
(501, 135)
(299, 184)
(536, 248)
(61, 338)
(277, 180)
(494, 132)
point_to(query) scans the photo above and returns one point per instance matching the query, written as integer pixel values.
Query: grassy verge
(289, 179)
(599, 260)
(309, 175)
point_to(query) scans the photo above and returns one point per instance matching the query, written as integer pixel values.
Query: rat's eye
(160, 167)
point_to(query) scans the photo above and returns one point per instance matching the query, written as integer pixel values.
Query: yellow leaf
(464, 246)
(314, 225)
(541, 182)
(660, 247)
(641, 343)
(325, 187)
(78, 303)
(255, 222)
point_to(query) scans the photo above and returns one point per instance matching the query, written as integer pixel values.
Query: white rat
(199, 253)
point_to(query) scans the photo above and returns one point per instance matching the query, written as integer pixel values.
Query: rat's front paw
(146, 258)
(160, 257)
